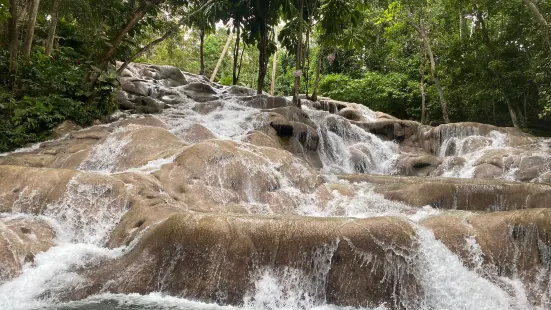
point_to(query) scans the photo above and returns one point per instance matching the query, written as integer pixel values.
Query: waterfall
(85, 217)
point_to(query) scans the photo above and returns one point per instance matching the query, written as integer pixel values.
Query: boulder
(240, 91)
(390, 129)
(21, 239)
(487, 171)
(260, 139)
(294, 114)
(351, 114)
(197, 133)
(331, 106)
(450, 164)
(65, 128)
(532, 166)
(382, 116)
(205, 108)
(460, 194)
(142, 121)
(136, 87)
(281, 125)
(174, 76)
(265, 102)
(67, 153)
(132, 147)
(418, 164)
(217, 258)
(124, 101)
(218, 172)
(85, 206)
(149, 205)
(200, 92)
(508, 244)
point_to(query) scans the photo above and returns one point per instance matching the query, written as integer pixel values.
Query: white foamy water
(103, 157)
(345, 148)
(87, 213)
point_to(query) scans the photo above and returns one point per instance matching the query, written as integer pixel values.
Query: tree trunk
(240, 63)
(262, 60)
(29, 33)
(236, 49)
(219, 63)
(92, 75)
(202, 51)
(307, 58)
(172, 31)
(497, 76)
(426, 41)
(422, 88)
(298, 72)
(541, 19)
(14, 38)
(513, 113)
(437, 81)
(537, 14)
(52, 28)
(274, 68)
(318, 71)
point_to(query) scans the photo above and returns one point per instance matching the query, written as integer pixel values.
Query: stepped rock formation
(223, 196)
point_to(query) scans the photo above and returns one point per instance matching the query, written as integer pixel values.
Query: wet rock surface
(223, 191)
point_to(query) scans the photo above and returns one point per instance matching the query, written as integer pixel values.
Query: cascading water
(346, 148)
(473, 147)
(446, 281)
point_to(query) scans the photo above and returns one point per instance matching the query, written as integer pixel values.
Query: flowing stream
(344, 149)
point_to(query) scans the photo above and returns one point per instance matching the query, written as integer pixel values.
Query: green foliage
(51, 91)
(392, 92)
(4, 10)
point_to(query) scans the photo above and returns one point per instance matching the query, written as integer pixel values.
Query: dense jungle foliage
(431, 61)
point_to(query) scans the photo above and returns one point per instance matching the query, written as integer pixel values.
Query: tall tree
(111, 50)
(29, 31)
(299, 63)
(422, 89)
(13, 37)
(260, 31)
(423, 33)
(204, 21)
(54, 18)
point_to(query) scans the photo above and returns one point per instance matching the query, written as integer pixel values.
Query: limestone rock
(460, 194)
(205, 108)
(181, 254)
(200, 92)
(418, 164)
(531, 166)
(143, 121)
(197, 133)
(351, 114)
(260, 139)
(487, 171)
(65, 128)
(138, 146)
(20, 241)
(240, 91)
(265, 102)
(218, 172)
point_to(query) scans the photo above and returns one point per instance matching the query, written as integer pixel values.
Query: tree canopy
(429, 60)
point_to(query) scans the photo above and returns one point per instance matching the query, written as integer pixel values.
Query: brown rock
(65, 128)
(197, 133)
(487, 171)
(20, 241)
(460, 194)
(351, 114)
(215, 258)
